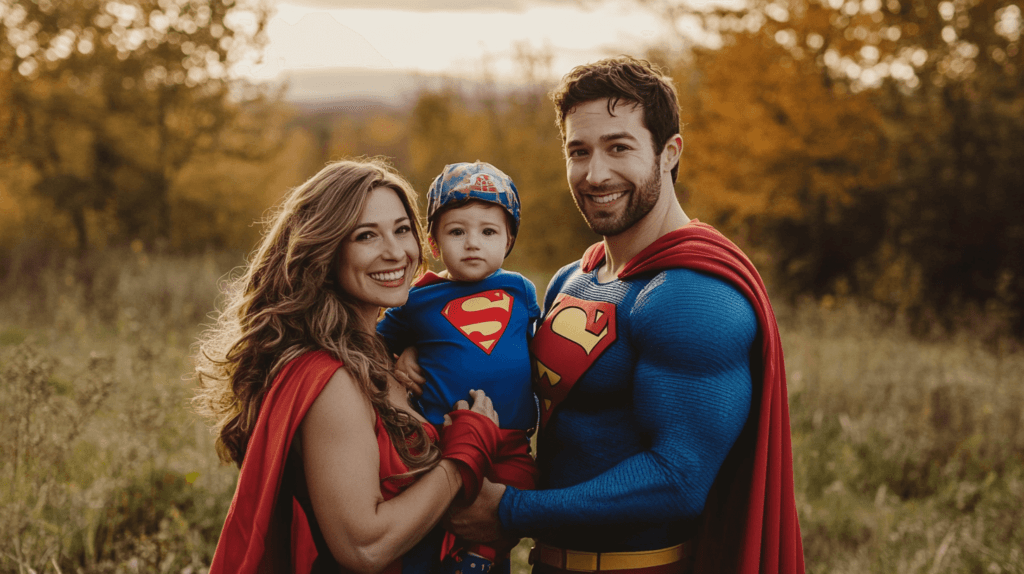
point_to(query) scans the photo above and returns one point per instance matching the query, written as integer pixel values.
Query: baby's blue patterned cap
(478, 180)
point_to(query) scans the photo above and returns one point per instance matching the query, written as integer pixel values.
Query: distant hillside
(344, 89)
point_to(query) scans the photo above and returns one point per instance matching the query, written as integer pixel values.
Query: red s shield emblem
(482, 317)
(573, 335)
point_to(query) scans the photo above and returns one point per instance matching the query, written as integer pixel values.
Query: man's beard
(640, 202)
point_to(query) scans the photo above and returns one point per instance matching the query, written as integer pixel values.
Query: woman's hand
(408, 372)
(481, 404)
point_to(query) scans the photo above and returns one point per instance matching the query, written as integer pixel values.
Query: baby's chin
(470, 275)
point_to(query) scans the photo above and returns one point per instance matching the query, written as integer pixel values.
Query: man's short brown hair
(623, 79)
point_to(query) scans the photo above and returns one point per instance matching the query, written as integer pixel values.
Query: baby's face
(473, 240)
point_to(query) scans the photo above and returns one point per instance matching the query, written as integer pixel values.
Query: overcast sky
(452, 37)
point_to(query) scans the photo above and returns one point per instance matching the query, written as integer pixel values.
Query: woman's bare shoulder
(341, 400)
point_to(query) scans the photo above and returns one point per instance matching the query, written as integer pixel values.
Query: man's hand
(408, 372)
(478, 522)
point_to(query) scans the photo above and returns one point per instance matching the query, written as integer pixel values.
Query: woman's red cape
(750, 521)
(243, 541)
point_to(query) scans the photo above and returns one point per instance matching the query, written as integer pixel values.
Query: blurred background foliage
(862, 149)
(866, 154)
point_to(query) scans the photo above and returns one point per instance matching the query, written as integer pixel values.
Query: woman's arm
(342, 463)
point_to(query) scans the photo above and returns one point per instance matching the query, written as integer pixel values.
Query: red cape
(244, 542)
(428, 278)
(749, 522)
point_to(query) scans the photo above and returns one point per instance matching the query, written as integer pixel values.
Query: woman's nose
(392, 248)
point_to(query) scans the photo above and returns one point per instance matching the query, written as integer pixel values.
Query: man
(664, 444)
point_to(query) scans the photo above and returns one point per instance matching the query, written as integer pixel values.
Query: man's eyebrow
(604, 138)
(617, 136)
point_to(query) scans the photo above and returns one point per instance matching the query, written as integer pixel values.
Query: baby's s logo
(481, 317)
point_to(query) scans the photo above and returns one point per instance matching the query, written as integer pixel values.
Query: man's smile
(606, 199)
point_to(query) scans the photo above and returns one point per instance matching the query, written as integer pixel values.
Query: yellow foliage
(25, 215)
(385, 130)
(6, 112)
(766, 134)
(219, 201)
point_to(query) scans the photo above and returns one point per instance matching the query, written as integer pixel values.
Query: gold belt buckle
(582, 561)
(578, 561)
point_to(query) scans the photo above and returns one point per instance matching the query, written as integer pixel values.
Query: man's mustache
(594, 189)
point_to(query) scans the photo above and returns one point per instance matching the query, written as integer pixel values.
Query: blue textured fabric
(453, 363)
(629, 456)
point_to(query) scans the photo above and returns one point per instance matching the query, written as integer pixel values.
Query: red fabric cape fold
(243, 540)
(750, 521)
(428, 278)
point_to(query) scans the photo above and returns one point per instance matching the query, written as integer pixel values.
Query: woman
(336, 468)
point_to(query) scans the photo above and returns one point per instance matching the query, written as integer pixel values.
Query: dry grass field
(909, 453)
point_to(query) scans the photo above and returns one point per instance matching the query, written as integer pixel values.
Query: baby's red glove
(472, 439)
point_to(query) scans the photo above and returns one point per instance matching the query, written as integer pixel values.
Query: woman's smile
(393, 278)
(379, 256)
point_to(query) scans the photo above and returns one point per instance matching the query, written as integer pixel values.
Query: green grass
(107, 469)
(909, 454)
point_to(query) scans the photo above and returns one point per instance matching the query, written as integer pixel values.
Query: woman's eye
(402, 230)
(364, 236)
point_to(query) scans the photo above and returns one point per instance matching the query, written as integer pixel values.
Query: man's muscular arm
(692, 391)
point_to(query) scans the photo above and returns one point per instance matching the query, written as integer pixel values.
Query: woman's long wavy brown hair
(287, 302)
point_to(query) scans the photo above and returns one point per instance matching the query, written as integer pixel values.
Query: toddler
(470, 325)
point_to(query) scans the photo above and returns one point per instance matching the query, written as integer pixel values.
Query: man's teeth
(389, 276)
(606, 198)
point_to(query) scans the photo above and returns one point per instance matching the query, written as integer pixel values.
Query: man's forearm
(640, 489)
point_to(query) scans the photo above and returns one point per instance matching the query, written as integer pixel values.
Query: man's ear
(671, 153)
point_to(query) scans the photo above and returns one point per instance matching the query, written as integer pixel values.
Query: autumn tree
(910, 197)
(441, 125)
(113, 98)
(773, 155)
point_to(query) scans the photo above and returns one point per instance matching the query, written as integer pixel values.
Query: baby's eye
(490, 231)
(456, 232)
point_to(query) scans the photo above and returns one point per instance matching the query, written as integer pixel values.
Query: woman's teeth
(388, 276)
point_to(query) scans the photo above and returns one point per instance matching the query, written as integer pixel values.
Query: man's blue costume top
(470, 336)
(662, 389)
